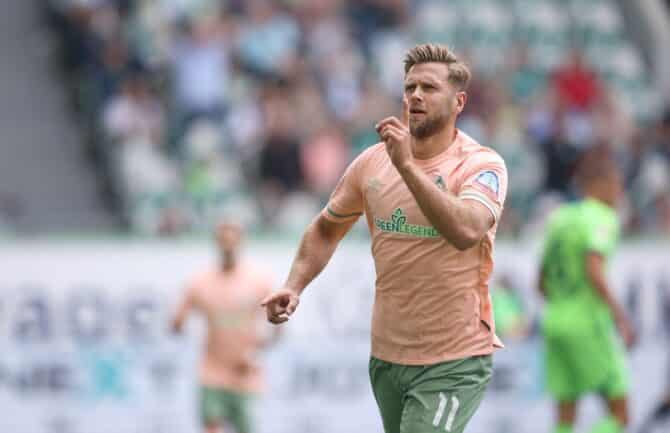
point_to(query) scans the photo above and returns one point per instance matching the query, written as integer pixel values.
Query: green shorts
(429, 399)
(578, 363)
(220, 406)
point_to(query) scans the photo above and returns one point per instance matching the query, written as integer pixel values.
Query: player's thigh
(212, 408)
(583, 363)
(238, 413)
(446, 397)
(383, 378)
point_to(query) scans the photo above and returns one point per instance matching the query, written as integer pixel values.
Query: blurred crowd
(200, 108)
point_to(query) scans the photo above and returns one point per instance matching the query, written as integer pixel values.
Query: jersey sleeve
(346, 201)
(486, 182)
(602, 236)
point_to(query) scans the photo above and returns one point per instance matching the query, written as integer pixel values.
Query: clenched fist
(280, 305)
(398, 140)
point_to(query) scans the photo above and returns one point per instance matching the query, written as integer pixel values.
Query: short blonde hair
(459, 73)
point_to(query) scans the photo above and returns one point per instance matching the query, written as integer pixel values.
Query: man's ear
(461, 99)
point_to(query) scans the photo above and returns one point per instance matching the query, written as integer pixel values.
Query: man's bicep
(346, 201)
(331, 227)
(487, 186)
(595, 266)
(482, 214)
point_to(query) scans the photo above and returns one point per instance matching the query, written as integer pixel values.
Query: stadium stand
(46, 184)
(200, 108)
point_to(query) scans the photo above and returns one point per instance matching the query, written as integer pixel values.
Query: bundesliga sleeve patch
(489, 180)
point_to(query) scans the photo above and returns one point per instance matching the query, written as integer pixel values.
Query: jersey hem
(436, 360)
(257, 388)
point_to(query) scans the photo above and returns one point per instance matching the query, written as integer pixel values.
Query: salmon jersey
(432, 301)
(229, 302)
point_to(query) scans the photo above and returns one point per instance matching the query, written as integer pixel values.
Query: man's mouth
(416, 111)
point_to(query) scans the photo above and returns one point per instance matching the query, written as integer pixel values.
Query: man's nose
(416, 95)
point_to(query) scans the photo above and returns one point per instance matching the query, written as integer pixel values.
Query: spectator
(201, 71)
(135, 113)
(578, 87)
(373, 16)
(524, 80)
(324, 157)
(268, 41)
(560, 156)
(110, 70)
(280, 167)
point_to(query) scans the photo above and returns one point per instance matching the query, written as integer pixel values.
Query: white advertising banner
(86, 348)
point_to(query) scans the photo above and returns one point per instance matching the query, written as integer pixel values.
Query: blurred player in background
(228, 297)
(583, 353)
(511, 318)
(432, 197)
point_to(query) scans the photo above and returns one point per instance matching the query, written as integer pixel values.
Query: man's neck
(426, 148)
(228, 264)
(594, 195)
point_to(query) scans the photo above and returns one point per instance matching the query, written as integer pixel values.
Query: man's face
(432, 100)
(229, 238)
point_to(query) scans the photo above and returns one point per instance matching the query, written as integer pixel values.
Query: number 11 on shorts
(440, 411)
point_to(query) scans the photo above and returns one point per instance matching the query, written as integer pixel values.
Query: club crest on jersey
(374, 184)
(489, 180)
(439, 181)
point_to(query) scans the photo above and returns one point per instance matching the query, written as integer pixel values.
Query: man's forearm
(180, 316)
(454, 218)
(316, 249)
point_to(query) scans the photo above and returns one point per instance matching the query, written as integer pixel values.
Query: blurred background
(129, 127)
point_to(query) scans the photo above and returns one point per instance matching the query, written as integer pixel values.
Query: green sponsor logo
(398, 224)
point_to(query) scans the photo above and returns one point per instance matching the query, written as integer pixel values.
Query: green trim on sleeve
(337, 215)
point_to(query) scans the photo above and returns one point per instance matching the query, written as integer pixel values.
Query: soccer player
(228, 296)
(583, 353)
(432, 197)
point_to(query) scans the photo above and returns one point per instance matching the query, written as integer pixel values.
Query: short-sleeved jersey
(432, 301)
(229, 302)
(574, 230)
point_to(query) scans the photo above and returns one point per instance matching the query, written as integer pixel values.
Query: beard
(428, 126)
